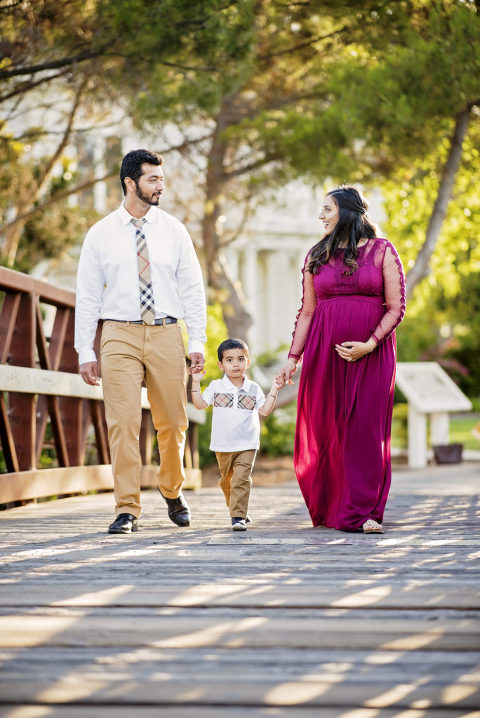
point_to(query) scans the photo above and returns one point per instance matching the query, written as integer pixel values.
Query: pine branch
(52, 65)
(27, 86)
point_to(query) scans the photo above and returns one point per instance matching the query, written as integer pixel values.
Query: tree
(48, 83)
(268, 90)
(260, 92)
(64, 66)
(353, 91)
(425, 83)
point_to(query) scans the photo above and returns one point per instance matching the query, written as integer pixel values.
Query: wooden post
(439, 428)
(21, 407)
(417, 438)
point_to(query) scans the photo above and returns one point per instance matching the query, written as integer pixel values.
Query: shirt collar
(228, 384)
(126, 217)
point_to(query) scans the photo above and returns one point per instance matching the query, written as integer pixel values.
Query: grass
(461, 426)
(461, 431)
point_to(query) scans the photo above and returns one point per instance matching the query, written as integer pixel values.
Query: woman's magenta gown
(344, 414)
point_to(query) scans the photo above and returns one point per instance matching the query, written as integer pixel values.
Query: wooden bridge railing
(44, 401)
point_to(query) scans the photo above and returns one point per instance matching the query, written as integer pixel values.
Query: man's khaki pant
(130, 354)
(236, 479)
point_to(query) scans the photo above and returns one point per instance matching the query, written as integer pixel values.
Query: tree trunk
(421, 269)
(229, 293)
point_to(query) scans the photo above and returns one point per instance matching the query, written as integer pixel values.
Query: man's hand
(90, 373)
(197, 362)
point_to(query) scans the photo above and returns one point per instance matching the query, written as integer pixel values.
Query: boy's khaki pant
(236, 479)
(130, 354)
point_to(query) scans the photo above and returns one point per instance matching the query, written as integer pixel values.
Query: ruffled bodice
(379, 275)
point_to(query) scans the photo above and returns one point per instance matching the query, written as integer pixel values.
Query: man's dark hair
(132, 165)
(231, 344)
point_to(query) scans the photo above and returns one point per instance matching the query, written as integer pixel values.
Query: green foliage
(271, 357)
(462, 431)
(216, 334)
(206, 457)
(461, 428)
(407, 202)
(50, 234)
(408, 83)
(441, 321)
(277, 434)
(464, 346)
(400, 425)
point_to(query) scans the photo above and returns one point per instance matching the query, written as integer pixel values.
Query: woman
(353, 298)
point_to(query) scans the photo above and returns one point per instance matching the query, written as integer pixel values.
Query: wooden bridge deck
(283, 621)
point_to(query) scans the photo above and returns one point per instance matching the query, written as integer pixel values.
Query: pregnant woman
(353, 298)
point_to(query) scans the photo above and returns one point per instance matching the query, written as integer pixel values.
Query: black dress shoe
(178, 510)
(124, 524)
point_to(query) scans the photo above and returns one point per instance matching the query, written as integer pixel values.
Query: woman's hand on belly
(351, 351)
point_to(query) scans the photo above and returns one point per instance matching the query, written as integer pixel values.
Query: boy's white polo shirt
(235, 423)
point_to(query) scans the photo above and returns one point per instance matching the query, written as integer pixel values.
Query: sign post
(428, 390)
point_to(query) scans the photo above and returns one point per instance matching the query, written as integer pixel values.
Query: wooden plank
(11, 279)
(28, 380)
(353, 674)
(58, 336)
(17, 281)
(48, 482)
(285, 620)
(76, 479)
(6, 437)
(227, 594)
(259, 629)
(43, 381)
(170, 690)
(178, 711)
(8, 319)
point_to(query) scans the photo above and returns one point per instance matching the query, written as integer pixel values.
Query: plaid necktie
(147, 307)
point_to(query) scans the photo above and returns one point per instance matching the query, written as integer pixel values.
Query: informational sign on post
(428, 390)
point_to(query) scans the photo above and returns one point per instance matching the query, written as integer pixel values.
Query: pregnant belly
(348, 318)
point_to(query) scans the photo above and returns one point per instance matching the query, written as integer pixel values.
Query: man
(138, 271)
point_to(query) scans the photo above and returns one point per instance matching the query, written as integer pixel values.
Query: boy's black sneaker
(238, 524)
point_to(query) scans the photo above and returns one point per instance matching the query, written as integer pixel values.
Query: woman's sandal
(372, 527)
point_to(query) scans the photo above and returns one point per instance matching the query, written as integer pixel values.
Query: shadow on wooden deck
(284, 620)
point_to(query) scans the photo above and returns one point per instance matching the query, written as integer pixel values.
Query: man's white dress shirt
(235, 421)
(107, 278)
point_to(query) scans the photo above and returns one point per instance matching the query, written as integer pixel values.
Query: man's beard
(148, 200)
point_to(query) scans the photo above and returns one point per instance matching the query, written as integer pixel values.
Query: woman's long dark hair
(353, 224)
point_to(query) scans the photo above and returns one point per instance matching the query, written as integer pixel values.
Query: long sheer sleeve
(304, 316)
(394, 288)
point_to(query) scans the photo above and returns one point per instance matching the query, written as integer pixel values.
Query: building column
(233, 260)
(99, 188)
(251, 290)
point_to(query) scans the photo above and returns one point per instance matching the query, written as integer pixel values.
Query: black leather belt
(162, 321)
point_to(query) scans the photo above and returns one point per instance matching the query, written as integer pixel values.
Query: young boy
(237, 402)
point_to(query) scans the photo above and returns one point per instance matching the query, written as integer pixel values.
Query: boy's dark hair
(132, 165)
(231, 344)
